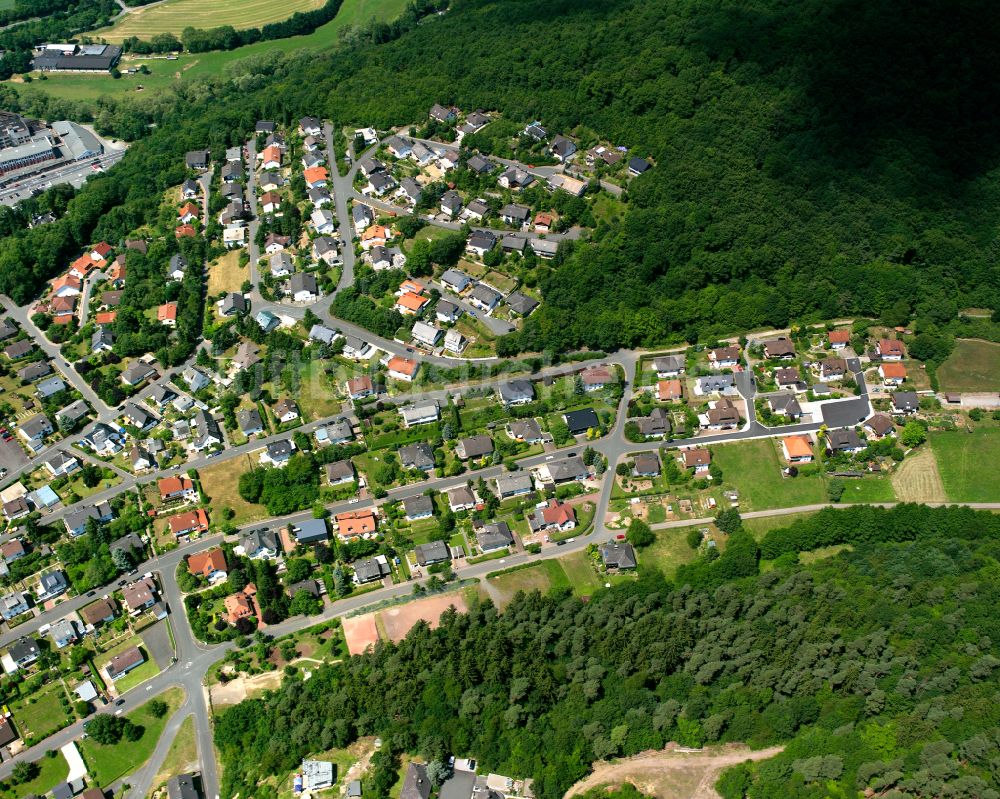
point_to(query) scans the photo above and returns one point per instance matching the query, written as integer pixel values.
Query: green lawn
(183, 753)
(41, 713)
(964, 461)
(579, 570)
(108, 763)
(868, 489)
(173, 16)
(541, 576)
(669, 551)
(754, 469)
(760, 526)
(53, 770)
(189, 66)
(973, 366)
(138, 675)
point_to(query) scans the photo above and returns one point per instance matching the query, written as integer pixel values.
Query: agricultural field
(918, 479)
(192, 66)
(963, 461)
(173, 16)
(973, 366)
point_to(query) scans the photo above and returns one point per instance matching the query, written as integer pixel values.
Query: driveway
(12, 457)
(156, 639)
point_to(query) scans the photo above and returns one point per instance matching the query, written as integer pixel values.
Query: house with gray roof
(495, 535)
(516, 392)
(371, 569)
(417, 456)
(418, 507)
(102, 340)
(618, 555)
(432, 552)
(51, 387)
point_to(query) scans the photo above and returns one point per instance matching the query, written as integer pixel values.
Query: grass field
(225, 274)
(754, 469)
(164, 74)
(670, 550)
(542, 576)
(175, 15)
(973, 366)
(221, 484)
(43, 715)
(917, 479)
(964, 462)
(138, 675)
(183, 754)
(107, 763)
(759, 527)
(579, 570)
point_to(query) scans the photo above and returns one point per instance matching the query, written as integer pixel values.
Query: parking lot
(157, 642)
(11, 455)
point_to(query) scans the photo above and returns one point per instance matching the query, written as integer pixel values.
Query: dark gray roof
(843, 439)
(370, 569)
(521, 303)
(249, 420)
(183, 786)
(494, 536)
(516, 391)
(432, 552)
(618, 555)
(581, 420)
(638, 165)
(419, 455)
(418, 505)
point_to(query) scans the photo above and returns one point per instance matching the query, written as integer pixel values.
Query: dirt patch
(241, 687)
(399, 621)
(672, 774)
(917, 478)
(225, 274)
(360, 632)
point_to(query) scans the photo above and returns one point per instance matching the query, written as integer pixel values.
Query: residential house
(189, 190)
(516, 215)
(461, 498)
(521, 304)
(207, 432)
(637, 165)
(250, 422)
(260, 544)
(210, 564)
(232, 304)
(779, 349)
(474, 447)
(137, 373)
(721, 415)
(905, 402)
(724, 357)
(454, 341)
(430, 553)
(455, 280)
(303, 287)
(320, 197)
(104, 439)
(481, 242)
(316, 177)
(357, 349)
(669, 390)
(656, 425)
(267, 321)
(323, 221)
(617, 556)
(476, 211)
(562, 148)
(188, 523)
(181, 786)
(646, 464)
(596, 378)
(34, 431)
(426, 334)
(418, 507)
(286, 410)
(16, 508)
(451, 203)
(890, 349)
(724, 384)
(101, 611)
(19, 349)
(275, 242)
(140, 458)
(14, 604)
(77, 520)
(494, 536)
(410, 190)
(447, 311)
(697, 458)
(24, 651)
(51, 585)
(402, 368)
(356, 523)
(832, 369)
(892, 373)
(322, 334)
(246, 355)
(63, 633)
(410, 303)
(879, 425)
(362, 217)
(485, 298)
(797, 449)
(277, 453)
(310, 531)
(62, 463)
(176, 487)
(419, 413)
(417, 456)
(380, 184)
(844, 441)
(789, 378)
(360, 387)
(49, 388)
(102, 340)
(555, 516)
(371, 569)
(177, 267)
(325, 249)
(140, 595)
(242, 604)
(839, 339)
(197, 159)
(785, 405)
(580, 421)
(527, 430)
(669, 366)
(565, 470)
(516, 392)
(340, 472)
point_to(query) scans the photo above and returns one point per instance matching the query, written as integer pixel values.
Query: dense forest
(876, 666)
(813, 159)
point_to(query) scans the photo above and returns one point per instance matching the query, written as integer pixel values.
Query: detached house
(890, 349)
(555, 516)
(779, 349)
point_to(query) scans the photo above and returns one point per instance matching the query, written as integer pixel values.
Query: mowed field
(966, 462)
(173, 16)
(973, 366)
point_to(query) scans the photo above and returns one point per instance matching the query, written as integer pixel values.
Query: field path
(917, 479)
(672, 774)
